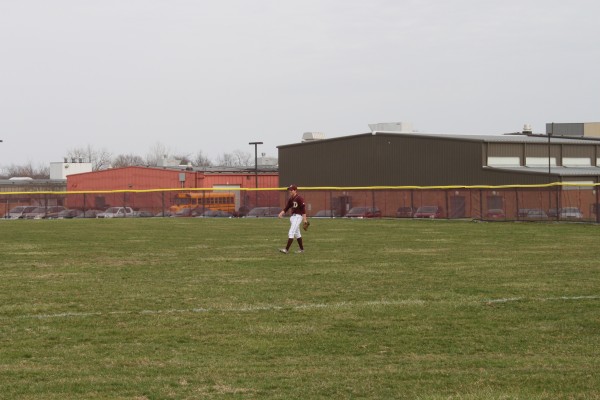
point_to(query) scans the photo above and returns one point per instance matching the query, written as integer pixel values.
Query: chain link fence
(552, 202)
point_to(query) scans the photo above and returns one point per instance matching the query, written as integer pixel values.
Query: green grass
(207, 308)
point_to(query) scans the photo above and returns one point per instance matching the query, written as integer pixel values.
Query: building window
(576, 162)
(540, 161)
(503, 161)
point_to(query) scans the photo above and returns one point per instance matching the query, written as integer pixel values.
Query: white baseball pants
(295, 222)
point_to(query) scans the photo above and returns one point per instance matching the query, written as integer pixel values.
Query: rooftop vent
(310, 136)
(397, 127)
(527, 129)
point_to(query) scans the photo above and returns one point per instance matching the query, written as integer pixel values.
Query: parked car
(570, 213)
(44, 212)
(215, 214)
(165, 213)
(188, 212)
(264, 212)
(89, 214)
(363, 212)
(536, 214)
(327, 214)
(36, 212)
(522, 212)
(553, 212)
(17, 212)
(53, 212)
(69, 213)
(144, 213)
(405, 212)
(241, 212)
(117, 212)
(495, 213)
(428, 212)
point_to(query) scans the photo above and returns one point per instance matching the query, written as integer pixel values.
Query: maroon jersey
(296, 203)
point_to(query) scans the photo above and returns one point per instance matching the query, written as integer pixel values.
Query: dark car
(428, 212)
(69, 213)
(522, 212)
(89, 214)
(495, 213)
(326, 214)
(536, 214)
(264, 212)
(363, 212)
(215, 214)
(144, 214)
(405, 212)
(242, 212)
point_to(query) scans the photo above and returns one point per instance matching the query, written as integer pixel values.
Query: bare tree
(100, 159)
(26, 170)
(201, 160)
(225, 160)
(157, 153)
(244, 159)
(127, 160)
(184, 159)
(236, 159)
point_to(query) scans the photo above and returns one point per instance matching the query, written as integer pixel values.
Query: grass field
(380, 309)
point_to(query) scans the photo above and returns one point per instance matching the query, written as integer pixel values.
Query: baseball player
(298, 218)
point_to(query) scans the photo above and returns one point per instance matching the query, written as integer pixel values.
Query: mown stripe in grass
(301, 307)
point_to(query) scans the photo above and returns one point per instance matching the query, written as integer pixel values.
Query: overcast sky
(211, 76)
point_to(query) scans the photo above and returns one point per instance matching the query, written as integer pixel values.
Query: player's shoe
(299, 251)
(284, 251)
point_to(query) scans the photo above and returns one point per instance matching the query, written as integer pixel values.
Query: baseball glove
(305, 225)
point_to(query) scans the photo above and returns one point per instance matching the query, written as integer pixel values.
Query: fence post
(558, 192)
(517, 204)
(481, 204)
(596, 208)
(447, 209)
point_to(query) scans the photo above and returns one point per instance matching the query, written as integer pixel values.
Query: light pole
(255, 170)
(549, 153)
(550, 173)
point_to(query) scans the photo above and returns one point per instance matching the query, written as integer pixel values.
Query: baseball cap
(292, 187)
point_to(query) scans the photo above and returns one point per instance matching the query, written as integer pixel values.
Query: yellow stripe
(348, 188)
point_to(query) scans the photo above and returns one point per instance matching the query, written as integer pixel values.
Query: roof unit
(395, 127)
(581, 129)
(310, 136)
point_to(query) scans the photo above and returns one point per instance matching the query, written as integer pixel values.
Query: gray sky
(125, 75)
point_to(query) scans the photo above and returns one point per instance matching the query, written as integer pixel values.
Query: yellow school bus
(222, 201)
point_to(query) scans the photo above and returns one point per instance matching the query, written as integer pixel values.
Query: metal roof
(561, 171)
(32, 182)
(506, 138)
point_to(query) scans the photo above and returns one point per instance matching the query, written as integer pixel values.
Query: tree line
(102, 159)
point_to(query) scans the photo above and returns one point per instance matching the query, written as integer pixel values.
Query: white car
(18, 212)
(570, 213)
(117, 212)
